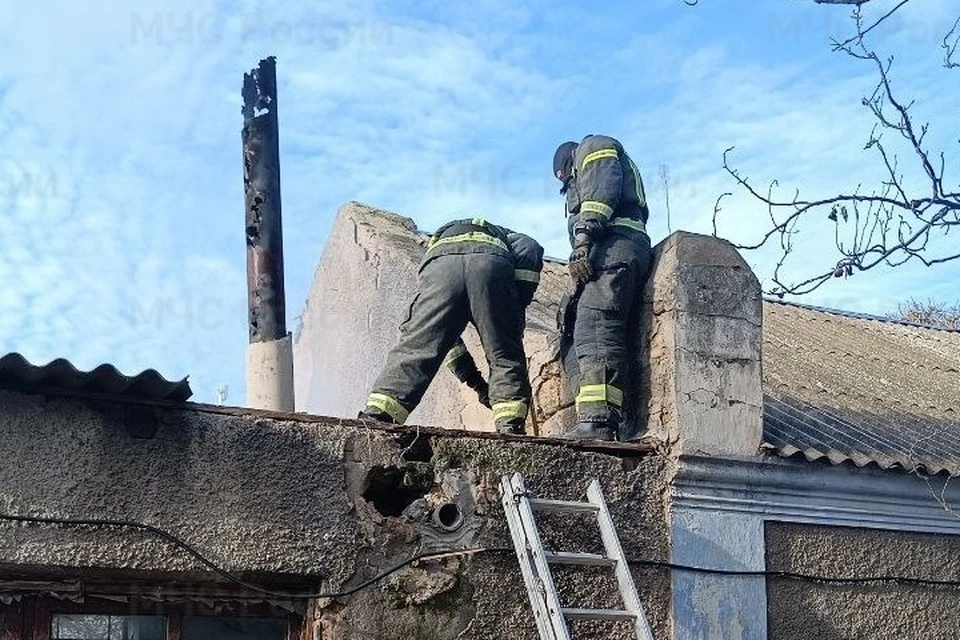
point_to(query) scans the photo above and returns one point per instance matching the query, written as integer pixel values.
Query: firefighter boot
(585, 430)
(372, 414)
(627, 429)
(512, 428)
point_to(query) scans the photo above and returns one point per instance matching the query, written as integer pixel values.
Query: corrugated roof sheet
(853, 388)
(17, 373)
(861, 316)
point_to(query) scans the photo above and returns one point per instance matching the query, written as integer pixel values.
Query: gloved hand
(483, 394)
(579, 264)
(478, 384)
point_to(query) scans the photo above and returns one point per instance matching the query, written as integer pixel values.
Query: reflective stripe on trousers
(606, 393)
(509, 410)
(389, 405)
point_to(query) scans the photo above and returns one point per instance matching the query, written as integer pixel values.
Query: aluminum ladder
(535, 562)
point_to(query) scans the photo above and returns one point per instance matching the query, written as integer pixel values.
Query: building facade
(797, 481)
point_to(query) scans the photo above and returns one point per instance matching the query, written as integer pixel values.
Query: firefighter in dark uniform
(473, 271)
(606, 218)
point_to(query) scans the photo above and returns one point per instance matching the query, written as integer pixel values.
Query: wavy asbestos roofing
(19, 374)
(854, 388)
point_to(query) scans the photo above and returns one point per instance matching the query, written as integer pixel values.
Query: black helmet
(563, 163)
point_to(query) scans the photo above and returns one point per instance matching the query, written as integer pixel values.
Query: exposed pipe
(270, 353)
(261, 184)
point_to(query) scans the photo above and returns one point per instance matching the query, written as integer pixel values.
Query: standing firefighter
(606, 218)
(476, 272)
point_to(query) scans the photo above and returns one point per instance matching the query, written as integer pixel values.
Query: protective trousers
(454, 290)
(600, 352)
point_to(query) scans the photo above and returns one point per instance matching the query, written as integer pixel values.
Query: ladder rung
(599, 614)
(563, 506)
(590, 559)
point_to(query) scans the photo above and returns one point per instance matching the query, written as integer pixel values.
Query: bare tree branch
(861, 32)
(949, 45)
(891, 224)
(717, 209)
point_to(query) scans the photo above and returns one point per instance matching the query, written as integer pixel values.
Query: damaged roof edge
(409, 433)
(17, 373)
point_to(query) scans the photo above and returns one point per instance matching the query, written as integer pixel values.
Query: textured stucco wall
(333, 503)
(219, 483)
(802, 609)
(359, 296)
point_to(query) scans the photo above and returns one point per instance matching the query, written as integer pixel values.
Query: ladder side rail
(530, 578)
(554, 608)
(614, 550)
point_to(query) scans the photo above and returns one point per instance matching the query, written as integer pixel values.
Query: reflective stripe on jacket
(607, 188)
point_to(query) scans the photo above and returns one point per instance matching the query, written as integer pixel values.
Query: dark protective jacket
(606, 189)
(473, 271)
(476, 235)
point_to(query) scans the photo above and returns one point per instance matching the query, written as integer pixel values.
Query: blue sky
(121, 230)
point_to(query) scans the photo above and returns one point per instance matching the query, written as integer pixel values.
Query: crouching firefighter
(473, 272)
(606, 219)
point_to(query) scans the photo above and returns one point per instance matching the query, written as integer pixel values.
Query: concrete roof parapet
(704, 309)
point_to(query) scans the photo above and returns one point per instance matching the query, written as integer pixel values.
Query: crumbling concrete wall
(702, 342)
(823, 609)
(323, 503)
(360, 295)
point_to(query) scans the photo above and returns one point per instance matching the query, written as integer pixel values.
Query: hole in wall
(416, 447)
(141, 422)
(448, 516)
(454, 462)
(391, 490)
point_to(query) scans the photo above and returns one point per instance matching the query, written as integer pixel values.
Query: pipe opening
(448, 516)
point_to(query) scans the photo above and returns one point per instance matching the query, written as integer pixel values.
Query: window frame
(31, 618)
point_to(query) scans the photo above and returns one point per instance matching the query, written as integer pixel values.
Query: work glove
(478, 384)
(579, 264)
(483, 394)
